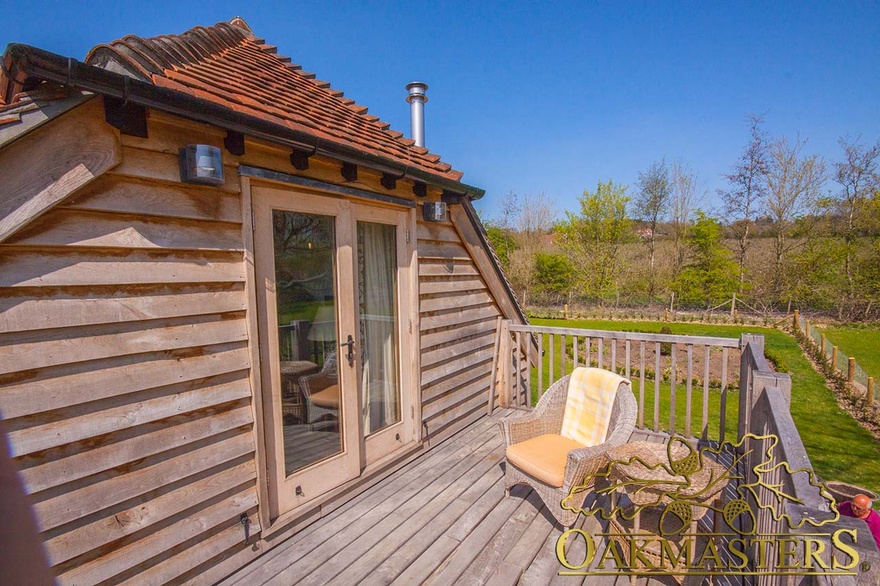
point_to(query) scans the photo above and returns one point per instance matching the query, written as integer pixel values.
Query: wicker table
(657, 464)
(650, 481)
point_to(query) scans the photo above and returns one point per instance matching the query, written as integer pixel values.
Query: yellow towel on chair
(591, 393)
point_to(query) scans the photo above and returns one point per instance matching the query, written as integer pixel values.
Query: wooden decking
(441, 519)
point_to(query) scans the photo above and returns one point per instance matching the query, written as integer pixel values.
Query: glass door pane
(305, 278)
(377, 303)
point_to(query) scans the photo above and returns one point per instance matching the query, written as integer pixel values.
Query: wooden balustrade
(681, 383)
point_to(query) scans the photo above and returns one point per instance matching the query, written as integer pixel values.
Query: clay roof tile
(226, 64)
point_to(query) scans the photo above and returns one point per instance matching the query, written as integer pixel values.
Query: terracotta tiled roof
(226, 64)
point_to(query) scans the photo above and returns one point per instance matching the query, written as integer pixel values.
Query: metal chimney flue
(417, 99)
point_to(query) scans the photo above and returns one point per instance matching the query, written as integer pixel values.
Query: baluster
(528, 380)
(723, 422)
(540, 365)
(642, 385)
(658, 375)
(518, 363)
(626, 346)
(562, 351)
(574, 351)
(672, 381)
(706, 354)
(601, 352)
(689, 390)
(587, 353)
(550, 377)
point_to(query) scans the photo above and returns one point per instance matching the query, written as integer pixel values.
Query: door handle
(350, 353)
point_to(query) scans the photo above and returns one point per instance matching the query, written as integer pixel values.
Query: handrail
(621, 335)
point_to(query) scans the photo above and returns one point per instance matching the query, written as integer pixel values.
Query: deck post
(493, 382)
(504, 365)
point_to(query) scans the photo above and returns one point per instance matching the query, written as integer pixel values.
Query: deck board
(440, 519)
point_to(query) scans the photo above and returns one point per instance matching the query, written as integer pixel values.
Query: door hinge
(407, 235)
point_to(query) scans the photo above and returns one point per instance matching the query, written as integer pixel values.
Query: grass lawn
(838, 447)
(861, 342)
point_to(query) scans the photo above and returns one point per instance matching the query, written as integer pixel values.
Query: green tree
(501, 241)
(712, 275)
(593, 239)
(554, 274)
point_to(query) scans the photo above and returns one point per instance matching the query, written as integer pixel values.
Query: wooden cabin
(194, 367)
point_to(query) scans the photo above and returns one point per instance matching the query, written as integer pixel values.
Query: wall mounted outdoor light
(201, 163)
(434, 211)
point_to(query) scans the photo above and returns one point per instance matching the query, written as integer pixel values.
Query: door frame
(264, 403)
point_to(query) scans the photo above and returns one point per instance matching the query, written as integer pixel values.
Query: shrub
(666, 347)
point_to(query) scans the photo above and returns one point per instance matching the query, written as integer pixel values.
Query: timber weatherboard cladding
(457, 321)
(125, 363)
(124, 374)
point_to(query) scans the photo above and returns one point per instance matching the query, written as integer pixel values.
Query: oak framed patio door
(332, 278)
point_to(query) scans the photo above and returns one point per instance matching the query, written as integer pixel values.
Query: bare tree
(742, 201)
(536, 215)
(858, 177)
(686, 196)
(794, 182)
(533, 219)
(650, 207)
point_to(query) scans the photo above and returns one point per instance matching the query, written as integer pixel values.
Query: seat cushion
(327, 398)
(543, 457)
(591, 394)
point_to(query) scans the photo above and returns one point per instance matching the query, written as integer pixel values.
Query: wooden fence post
(870, 397)
(796, 322)
(851, 370)
(834, 357)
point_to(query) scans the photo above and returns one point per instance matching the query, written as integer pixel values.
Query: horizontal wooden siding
(124, 374)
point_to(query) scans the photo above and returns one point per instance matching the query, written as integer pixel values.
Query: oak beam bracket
(450, 198)
(127, 117)
(349, 172)
(234, 143)
(300, 159)
(389, 181)
(420, 189)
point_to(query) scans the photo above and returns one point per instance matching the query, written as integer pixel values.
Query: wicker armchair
(546, 418)
(321, 391)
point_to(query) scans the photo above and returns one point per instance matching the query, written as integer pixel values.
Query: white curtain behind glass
(377, 265)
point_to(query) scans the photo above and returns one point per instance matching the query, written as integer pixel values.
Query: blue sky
(550, 96)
